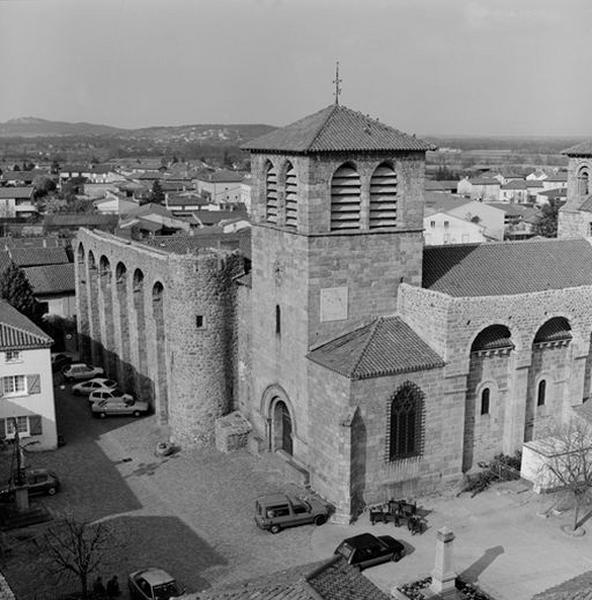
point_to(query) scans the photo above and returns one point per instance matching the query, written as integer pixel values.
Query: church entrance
(282, 427)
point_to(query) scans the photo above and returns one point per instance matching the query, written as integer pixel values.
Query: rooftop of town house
(507, 268)
(445, 185)
(15, 192)
(79, 220)
(221, 176)
(385, 346)
(484, 181)
(17, 332)
(336, 128)
(32, 242)
(28, 257)
(331, 579)
(561, 176)
(440, 201)
(555, 192)
(582, 149)
(515, 210)
(51, 279)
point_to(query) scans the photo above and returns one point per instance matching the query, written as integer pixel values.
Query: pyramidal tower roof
(336, 129)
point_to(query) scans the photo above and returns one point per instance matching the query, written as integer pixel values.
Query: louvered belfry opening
(383, 198)
(345, 199)
(291, 197)
(271, 195)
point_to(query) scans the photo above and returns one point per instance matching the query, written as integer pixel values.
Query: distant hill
(204, 133)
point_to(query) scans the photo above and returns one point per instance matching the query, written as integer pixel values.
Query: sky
(439, 67)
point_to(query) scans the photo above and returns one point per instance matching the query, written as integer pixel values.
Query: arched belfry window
(485, 396)
(541, 392)
(406, 423)
(291, 197)
(383, 197)
(271, 195)
(583, 182)
(345, 199)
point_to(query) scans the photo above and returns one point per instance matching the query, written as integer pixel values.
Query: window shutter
(2, 429)
(34, 384)
(35, 425)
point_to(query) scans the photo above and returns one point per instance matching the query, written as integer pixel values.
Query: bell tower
(337, 226)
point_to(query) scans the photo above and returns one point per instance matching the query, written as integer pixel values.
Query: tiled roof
(16, 192)
(586, 205)
(51, 279)
(325, 580)
(585, 148)
(562, 176)
(384, 347)
(507, 268)
(30, 257)
(554, 193)
(77, 220)
(221, 176)
(210, 237)
(516, 184)
(333, 129)
(577, 588)
(19, 333)
(484, 182)
(210, 217)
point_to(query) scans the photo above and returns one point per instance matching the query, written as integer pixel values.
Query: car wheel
(320, 520)
(51, 491)
(275, 529)
(136, 413)
(102, 415)
(397, 556)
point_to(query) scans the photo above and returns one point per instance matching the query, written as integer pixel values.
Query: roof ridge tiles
(372, 326)
(324, 124)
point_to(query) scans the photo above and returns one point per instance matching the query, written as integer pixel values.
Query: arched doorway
(282, 427)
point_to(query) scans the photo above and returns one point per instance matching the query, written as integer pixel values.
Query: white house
(26, 385)
(490, 217)
(222, 186)
(443, 228)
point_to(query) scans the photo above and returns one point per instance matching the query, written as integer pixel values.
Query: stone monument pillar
(443, 575)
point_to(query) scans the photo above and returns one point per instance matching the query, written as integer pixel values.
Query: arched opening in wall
(278, 320)
(282, 427)
(83, 314)
(345, 199)
(405, 418)
(549, 356)
(271, 194)
(291, 197)
(160, 385)
(383, 197)
(109, 349)
(489, 366)
(96, 347)
(143, 381)
(125, 369)
(583, 181)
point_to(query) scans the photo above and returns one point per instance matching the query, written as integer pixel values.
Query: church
(377, 365)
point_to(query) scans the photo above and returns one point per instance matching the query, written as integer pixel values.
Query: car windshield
(345, 551)
(164, 591)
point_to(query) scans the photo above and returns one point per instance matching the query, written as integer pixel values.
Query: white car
(84, 388)
(82, 371)
(123, 405)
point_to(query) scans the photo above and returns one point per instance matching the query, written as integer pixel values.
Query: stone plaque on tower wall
(334, 304)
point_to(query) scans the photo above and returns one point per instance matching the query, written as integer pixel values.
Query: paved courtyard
(192, 515)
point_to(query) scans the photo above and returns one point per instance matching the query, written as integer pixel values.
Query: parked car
(111, 395)
(38, 481)
(60, 360)
(95, 384)
(278, 511)
(81, 372)
(366, 550)
(153, 584)
(122, 405)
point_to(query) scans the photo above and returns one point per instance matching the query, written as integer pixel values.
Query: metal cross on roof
(337, 81)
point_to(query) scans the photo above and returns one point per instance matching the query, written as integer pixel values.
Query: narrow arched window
(271, 195)
(583, 182)
(541, 392)
(278, 320)
(291, 198)
(485, 395)
(383, 198)
(406, 423)
(345, 199)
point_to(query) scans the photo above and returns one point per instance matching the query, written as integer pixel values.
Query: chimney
(443, 575)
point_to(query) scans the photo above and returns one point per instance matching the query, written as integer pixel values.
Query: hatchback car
(153, 584)
(278, 511)
(81, 372)
(122, 405)
(37, 481)
(60, 360)
(366, 550)
(84, 388)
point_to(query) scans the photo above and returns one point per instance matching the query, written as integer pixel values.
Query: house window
(278, 320)
(589, 229)
(433, 224)
(22, 425)
(199, 321)
(406, 423)
(14, 356)
(541, 391)
(15, 385)
(446, 224)
(485, 394)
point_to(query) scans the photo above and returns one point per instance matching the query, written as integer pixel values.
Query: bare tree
(76, 549)
(569, 464)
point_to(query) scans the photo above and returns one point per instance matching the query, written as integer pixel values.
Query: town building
(26, 384)
(17, 203)
(376, 365)
(223, 186)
